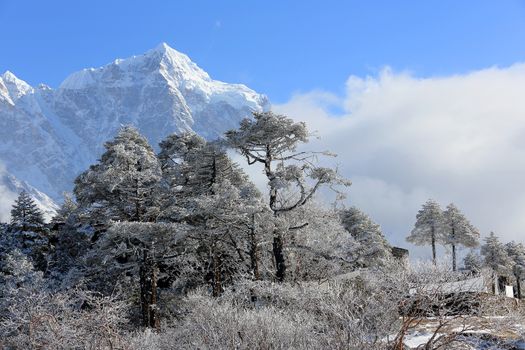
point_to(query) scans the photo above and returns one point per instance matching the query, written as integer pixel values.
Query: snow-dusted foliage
(496, 258)
(33, 316)
(495, 255)
(27, 232)
(193, 167)
(210, 192)
(429, 228)
(317, 243)
(25, 215)
(458, 231)
(119, 252)
(516, 253)
(358, 312)
(293, 178)
(371, 246)
(473, 262)
(121, 185)
(66, 210)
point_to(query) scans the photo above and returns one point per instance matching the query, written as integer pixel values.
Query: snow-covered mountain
(48, 136)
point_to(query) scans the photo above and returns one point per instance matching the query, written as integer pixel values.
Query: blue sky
(276, 47)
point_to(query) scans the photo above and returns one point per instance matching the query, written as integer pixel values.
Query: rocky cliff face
(48, 136)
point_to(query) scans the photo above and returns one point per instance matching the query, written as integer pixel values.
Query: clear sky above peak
(274, 47)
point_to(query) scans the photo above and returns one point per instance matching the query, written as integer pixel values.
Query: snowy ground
(481, 334)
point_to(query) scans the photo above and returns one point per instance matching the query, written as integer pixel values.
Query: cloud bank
(403, 139)
(7, 196)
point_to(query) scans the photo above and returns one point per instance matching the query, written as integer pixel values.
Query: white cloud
(7, 198)
(403, 139)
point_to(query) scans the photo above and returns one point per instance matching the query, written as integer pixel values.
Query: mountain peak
(15, 87)
(163, 47)
(8, 75)
(165, 50)
(176, 63)
(161, 59)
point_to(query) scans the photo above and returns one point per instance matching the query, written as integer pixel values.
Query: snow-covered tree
(319, 246)
(68, 207)
(496, 258)
(210, 192)
(516, 253)
(293, 178)
(458, 231)
(224, 236)
(25, 215)
(372, 247)
(34, 316)
(429, 227)
(131, 253)
(193, 167)
(28, 232)
(19, 281)
(121, 186)
(473, 262)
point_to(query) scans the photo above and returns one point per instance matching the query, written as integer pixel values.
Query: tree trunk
(148, 292)
(496, 284)
(217, 285)
(433, 237)
(518, 287)
(453, 249)
(280, 264)
(137, 201)
(254, 251)
(154, 317)
(453, 257)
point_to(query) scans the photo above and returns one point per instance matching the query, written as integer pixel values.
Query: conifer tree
(192, 166)
(212, 193)
(122, 185)
(293, 178)
(472, 262)
(429, 227)
(28, 232)
(516, 253)
(68, 207)
(372, 247)
(25, 215)
(496, 258)
(458, 231)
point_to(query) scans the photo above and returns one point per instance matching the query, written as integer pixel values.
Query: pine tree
(18, 281)
(68, 207)
(123, 184)
(516, 253)
(429, 227)
(192, 166)
(373, 248)
(209, 191)
(28, 232)
(293, 177)
(473, 262)
(496, 258)
(136, 250)
(459, 231)
(25, 215)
